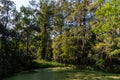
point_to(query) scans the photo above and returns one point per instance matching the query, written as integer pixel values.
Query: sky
(19, 3)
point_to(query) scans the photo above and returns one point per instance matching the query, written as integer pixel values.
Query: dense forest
(77, 32)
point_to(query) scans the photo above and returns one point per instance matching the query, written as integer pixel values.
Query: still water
(63, 74)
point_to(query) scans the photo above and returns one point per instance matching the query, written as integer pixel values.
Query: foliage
(73, 46)
(36, 64)
(107, 30)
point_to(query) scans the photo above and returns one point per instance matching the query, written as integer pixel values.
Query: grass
(37, 64)
(91, 75)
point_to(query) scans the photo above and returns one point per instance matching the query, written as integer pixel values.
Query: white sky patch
(19, 3)
(25, 3)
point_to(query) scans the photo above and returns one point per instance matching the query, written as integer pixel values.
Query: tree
(79, 15)
(7, 10)
(61, 11)
(107, 30)
(74, 47)
(45, 25)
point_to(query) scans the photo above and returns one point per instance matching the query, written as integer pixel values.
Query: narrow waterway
(63, 74)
